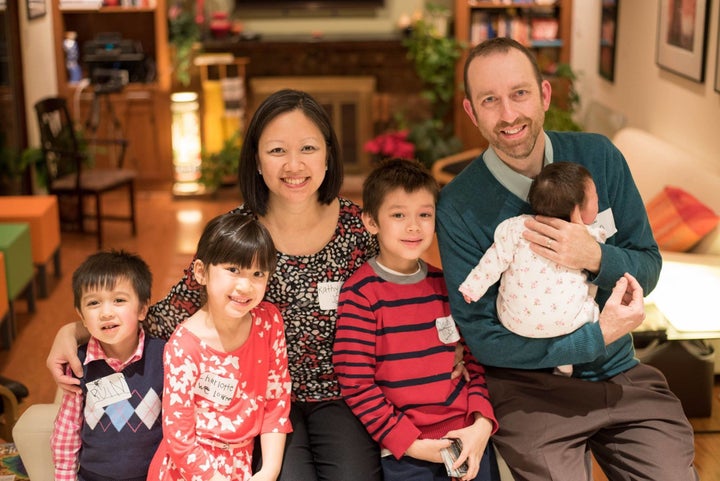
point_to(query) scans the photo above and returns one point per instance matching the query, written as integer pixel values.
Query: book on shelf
(524, 29)
(80, 4)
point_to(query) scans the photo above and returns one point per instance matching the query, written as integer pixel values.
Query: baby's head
(562, 189)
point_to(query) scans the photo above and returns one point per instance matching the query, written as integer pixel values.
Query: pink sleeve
(178, 408)
(65, 441)
(277, 408)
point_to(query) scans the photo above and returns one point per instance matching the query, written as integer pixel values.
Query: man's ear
(468, 107)
(546, 92)
(370, 223)
(199, 272)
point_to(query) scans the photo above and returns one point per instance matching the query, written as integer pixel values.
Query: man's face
(508, 107)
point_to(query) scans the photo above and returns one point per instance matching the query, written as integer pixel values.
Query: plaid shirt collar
(95, 352)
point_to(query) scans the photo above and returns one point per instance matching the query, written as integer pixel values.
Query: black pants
(328, 443)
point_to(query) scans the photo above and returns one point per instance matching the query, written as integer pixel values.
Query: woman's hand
(474, 439)
(63, 353)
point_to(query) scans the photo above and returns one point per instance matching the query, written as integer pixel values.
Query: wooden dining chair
(71, 175)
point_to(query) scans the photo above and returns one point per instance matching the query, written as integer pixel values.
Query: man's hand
(567, 243)
(63, 353)
(623, 311)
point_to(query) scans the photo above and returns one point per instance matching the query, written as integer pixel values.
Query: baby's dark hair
(104, 269)
(237, 239)
(391, 174)
(558, 188)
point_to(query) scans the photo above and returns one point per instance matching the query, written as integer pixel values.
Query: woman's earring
(259, 171)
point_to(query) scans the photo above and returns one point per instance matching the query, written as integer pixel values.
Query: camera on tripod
(107, 80)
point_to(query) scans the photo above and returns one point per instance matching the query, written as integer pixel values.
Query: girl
(226, 375)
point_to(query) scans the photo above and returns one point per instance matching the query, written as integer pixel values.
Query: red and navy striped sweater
(393, 369)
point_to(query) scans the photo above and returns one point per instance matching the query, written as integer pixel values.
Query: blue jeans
(411, 469)
(328, 443)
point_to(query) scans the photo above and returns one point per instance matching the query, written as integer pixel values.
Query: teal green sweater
(472, 206)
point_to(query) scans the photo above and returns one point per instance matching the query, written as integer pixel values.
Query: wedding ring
(549, 243)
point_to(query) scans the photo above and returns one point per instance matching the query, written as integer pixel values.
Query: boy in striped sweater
(395, 343)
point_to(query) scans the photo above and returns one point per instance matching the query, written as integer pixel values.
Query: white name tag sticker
(107, 390)
(447, 330)
(328, 294)
(606, 220)
(216, 388)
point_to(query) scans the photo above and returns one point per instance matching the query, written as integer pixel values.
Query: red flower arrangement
(391, 144)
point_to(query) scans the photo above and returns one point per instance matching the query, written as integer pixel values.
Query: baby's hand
(467, 299)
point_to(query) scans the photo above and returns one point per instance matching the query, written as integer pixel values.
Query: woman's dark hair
(237, 239)
(104, 269)
(254, 191)
(558, 188)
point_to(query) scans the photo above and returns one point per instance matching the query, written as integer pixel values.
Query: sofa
(656, 164)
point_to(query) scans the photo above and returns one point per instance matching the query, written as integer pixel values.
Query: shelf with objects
(542, 25)
(125, 69)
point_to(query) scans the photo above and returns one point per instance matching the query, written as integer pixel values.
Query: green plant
(184, 32)
(219, 166)
(434, 57)
(560, 114)
(14, 164)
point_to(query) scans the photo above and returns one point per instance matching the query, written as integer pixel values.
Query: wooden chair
(70, 176)
(445, 169)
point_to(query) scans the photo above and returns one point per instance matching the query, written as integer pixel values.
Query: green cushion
(15, 244)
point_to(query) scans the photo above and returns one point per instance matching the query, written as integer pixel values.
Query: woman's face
(292, 156)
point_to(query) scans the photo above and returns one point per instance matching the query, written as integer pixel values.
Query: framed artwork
(35, 9)
(608, 36)
(717, 65)
(681, 40)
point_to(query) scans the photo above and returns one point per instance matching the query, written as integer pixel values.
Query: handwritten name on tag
(328, 294)
(216, 388)
(447, 330)
(108, 390)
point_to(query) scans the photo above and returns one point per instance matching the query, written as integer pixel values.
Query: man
(619, 409)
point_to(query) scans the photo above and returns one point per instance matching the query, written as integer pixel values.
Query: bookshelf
(544, 26)
(143, 105)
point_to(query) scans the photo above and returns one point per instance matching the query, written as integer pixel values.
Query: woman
(290, 177)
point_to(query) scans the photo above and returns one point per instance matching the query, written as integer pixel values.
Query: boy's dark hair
(392, 174)
(104, 269)
(238, 239)
(558, 188)
(255, 192)
(494, 45)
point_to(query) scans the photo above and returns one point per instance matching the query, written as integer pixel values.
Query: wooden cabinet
(544, 26)
(142, 107)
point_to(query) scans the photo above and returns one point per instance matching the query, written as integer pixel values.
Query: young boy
(113, 428)
(395, 343)
(538, 297)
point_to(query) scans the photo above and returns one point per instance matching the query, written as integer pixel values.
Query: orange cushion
(678, 220)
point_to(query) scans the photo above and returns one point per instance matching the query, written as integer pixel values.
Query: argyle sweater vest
(119, 440)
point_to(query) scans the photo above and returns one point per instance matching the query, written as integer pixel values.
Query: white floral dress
(215, 403)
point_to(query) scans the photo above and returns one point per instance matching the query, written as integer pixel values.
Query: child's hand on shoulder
(474, 439)
(428, 449)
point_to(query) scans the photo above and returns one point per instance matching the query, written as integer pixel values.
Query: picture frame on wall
(36, 9)
(681, 40)
(717, 65)
(608, 37)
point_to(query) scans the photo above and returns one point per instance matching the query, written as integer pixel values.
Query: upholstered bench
(5, 312)
(16, 247)
(41, 212)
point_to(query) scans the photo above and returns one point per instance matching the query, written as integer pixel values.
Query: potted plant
(562, 106)
(221, 168)
(184, 20)
(434, 56)
(14, 165)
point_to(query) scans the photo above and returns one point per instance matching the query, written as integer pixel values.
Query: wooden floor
(168, 231)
